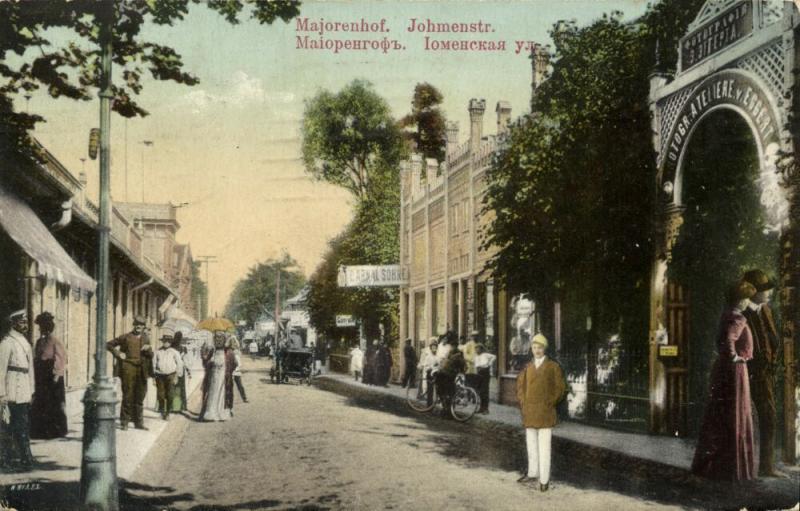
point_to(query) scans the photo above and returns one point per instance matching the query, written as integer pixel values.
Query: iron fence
(608, 386)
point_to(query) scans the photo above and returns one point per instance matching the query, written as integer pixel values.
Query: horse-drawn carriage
(297, 363)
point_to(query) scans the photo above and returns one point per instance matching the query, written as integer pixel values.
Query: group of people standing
(373, 367)
(32, 391)
(136, 361)
(477, 364)
(742, 376)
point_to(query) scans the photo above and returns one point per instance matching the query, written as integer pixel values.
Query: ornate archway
(740, 56)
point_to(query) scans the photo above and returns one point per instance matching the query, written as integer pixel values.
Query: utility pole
(207, 259)
(99, 488)
(145, 143)
(277, 303)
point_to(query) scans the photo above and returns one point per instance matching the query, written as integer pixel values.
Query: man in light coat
(16, 387)
(540, 386)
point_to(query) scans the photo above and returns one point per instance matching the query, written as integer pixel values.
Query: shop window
(522, 326)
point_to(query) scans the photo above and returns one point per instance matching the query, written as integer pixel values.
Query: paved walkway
(674, 452)
(59, 460)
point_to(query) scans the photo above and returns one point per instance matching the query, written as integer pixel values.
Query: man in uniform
(16, 387)
(134, 356)
(762, 366)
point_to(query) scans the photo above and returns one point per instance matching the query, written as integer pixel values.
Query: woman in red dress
(725, 449)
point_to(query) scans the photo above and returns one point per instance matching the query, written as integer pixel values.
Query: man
(134, 356)
(16, 388)
(446, 376)
(484, 362)
(167, 365)
(429, 364)
(410, 358)
(762, 367)
(385, 363)
(540, 386)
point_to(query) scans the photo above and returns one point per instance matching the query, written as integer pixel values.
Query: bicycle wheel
(465, 403)
(419, 399)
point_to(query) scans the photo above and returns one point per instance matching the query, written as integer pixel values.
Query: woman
(48, 417)
(219, 374)
(725, 446)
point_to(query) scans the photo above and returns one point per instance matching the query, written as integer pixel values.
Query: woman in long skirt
(219, 374)
(48, 416)
(725, 447)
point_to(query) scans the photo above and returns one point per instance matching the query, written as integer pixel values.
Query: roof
(27, 230)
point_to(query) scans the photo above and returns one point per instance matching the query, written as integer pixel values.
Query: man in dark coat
(134, 355)
(762, 367)
(410, 361)
(370, 363)
(384, 369)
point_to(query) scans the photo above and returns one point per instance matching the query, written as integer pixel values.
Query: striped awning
(28, 231)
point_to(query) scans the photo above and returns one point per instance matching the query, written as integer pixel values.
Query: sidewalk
(657, 451)
(58, 462)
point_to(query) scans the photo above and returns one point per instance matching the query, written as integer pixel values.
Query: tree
(370, 238)
(199, 292)
(351, 140)
(73, 69)
(573, 189)
(254, 295)
(428, 122)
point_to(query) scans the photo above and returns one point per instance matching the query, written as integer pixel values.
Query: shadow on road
(502, 447)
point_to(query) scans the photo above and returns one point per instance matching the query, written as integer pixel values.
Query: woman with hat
(725, 448)
(48, 417)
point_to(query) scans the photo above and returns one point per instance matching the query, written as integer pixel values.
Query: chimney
(452, 135)
(476, 109)
(540, 59)
(503, 110)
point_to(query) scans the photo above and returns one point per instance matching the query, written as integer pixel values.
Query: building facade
(48, 257)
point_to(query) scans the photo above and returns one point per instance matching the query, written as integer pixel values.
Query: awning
(28, 231)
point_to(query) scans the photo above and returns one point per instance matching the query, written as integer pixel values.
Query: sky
(230, 146)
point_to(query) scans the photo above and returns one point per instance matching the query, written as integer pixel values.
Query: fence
(608, 386)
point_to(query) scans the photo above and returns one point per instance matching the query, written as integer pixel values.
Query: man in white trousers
(540, 386)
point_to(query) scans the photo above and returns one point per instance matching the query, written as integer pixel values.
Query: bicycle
(463, 404)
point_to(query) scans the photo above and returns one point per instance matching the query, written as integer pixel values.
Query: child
(540, 386)
(167, 365)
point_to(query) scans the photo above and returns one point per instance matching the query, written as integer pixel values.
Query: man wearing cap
(17, 386)
(134, 356)
(540, 386)
(762, 366)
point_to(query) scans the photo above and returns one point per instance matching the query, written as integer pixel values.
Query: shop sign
(716, 35)
(668, 351)
(345, 320)
(389, 275)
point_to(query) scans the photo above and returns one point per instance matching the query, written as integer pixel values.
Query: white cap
(17, 314)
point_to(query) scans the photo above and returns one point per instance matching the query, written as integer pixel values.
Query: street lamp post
(98, 487)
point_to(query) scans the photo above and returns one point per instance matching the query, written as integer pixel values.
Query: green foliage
(371, 238)
(428, 122)
(573, 189)
(350, 139)
(199, 291)
(254, 295)
(73, 69)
